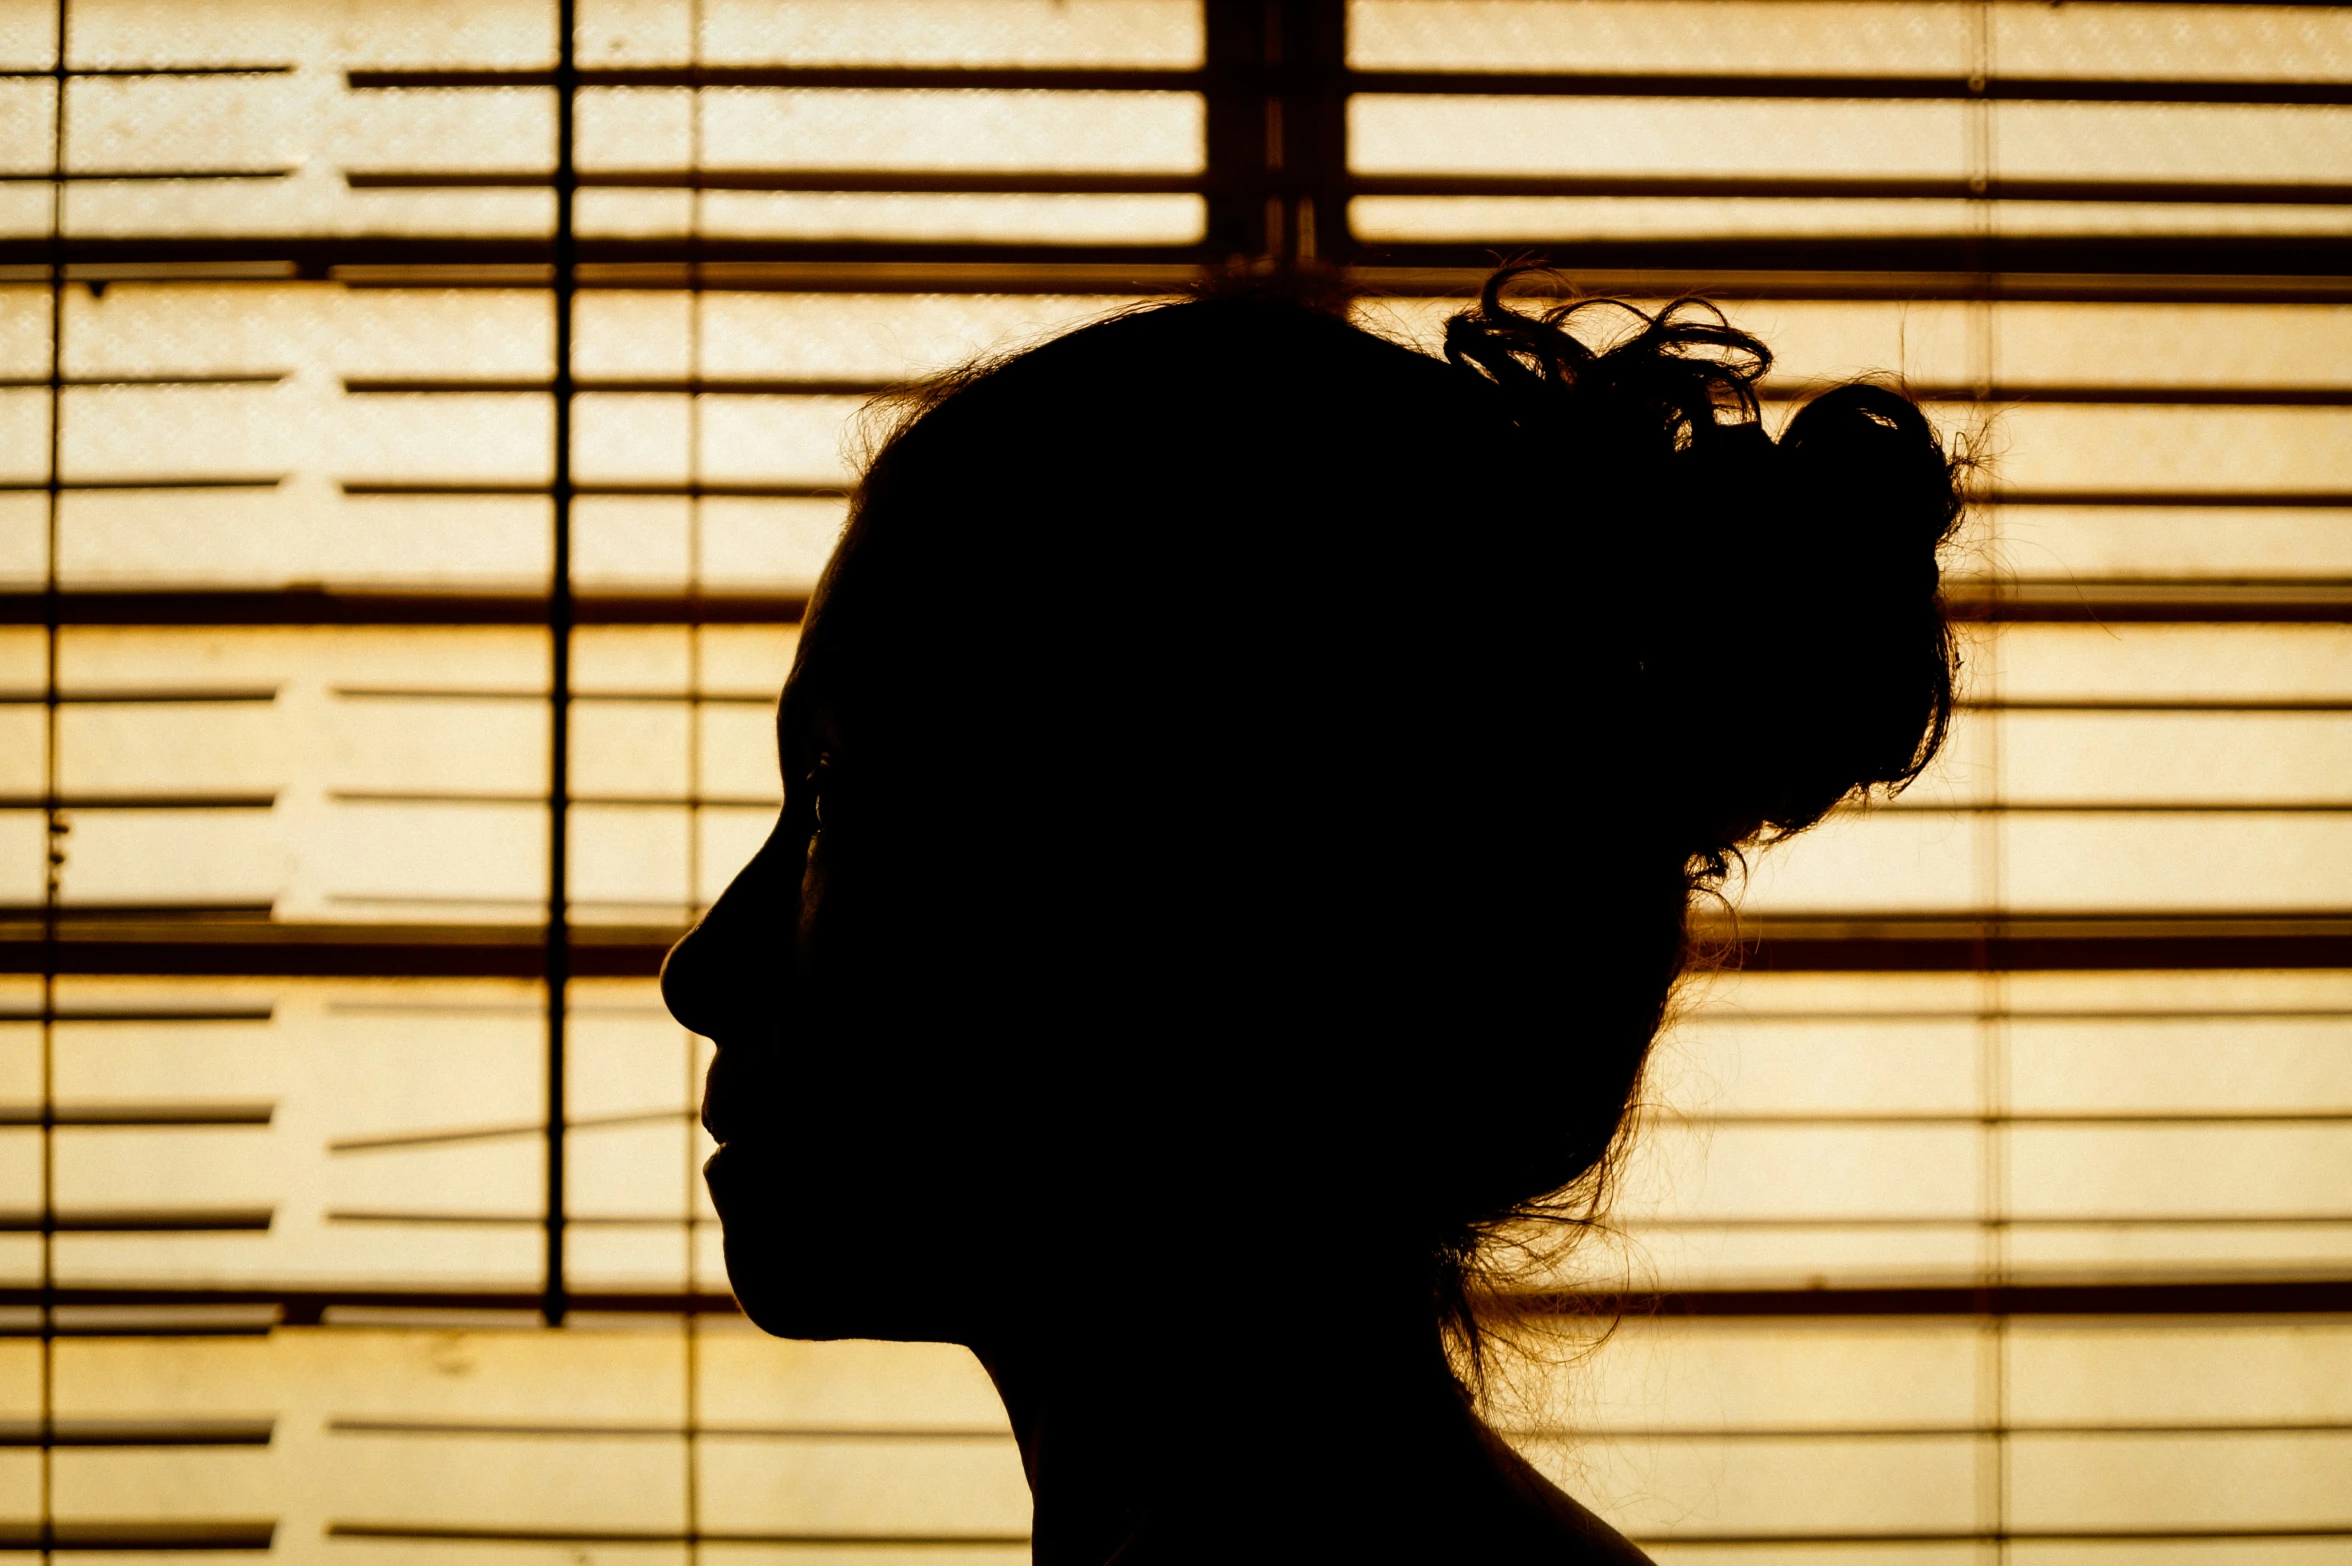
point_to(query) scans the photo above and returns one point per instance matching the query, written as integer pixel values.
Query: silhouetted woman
(1244, 780)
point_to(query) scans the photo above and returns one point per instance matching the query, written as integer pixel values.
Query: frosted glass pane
(1413, 134)
(2153, 1481)
(24, 436)
(2170, 345)
(457, 860)
(298, 430)
(156, 123)
(2192, 449)
(23, 750)
(2117, 1425)
(636, 32)
(160, 1485)
(495, 439)
(133, 432)
(2131, 1372)
(746, 659)
(28, 36)
(2196, 758)
(1759, 1172)
(2155, 662)
(300, 533)
(2252, 1064)
(730, 543)
(28, 111)
(386, 1131)
(632, 750)
(626, 438)
(2182, 544)
(1722, 1061)
(960, 129)
(1870, 1486)
(435, 746)
(24, 538)
(430, 332)
(1908, 1128)
(2175, 861)
(633, 333)
(1651, 35)
(729, 839)
(2253, 41)
(1935, 39)
(479, 32)
(1134, 220)
(390, 774)
(739, 751)
(635, 128)
(128, 1169)
(883, 336)
(631, 862)
(1164, 33)
(500, 1430)
(804, 439)
(303, 438)
(643, 660)
(2183, 1171)
(1881, 861)
(24, 330)
(1825, 138)
(924, 1486)
(23, 841)
(1565, 219)
(153, 856)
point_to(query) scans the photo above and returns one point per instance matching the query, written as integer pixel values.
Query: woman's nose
(686, 979)
(733, 960)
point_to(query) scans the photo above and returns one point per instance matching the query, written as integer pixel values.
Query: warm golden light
(2001, 1202)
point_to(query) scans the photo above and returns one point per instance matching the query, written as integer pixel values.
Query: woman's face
(1088, 897)
(848, 1162)
(896, 1139)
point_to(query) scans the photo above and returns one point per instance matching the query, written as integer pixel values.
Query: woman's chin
(789, 1293)
(786, 1309)
(816, 1251)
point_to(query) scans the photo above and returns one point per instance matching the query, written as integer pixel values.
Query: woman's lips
(715, 1095)
(718, 1172)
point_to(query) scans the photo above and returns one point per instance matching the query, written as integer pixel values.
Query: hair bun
(1852, 653)
(1779, 598)
(1876, 466)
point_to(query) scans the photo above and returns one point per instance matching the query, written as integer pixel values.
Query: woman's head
(1244, 781)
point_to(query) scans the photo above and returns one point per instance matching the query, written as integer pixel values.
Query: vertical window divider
(1277, 132)
(1988, 849)
(555, 1295)
(53, 820)
(690, 1346)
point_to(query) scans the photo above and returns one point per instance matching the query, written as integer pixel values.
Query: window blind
(420, 426)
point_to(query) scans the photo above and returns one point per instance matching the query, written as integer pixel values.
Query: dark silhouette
(1244, 780)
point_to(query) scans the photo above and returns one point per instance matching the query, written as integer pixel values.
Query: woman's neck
(1164, 1443)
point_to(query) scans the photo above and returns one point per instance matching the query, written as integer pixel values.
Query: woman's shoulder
(1552, 1525)
(1580, 1536)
